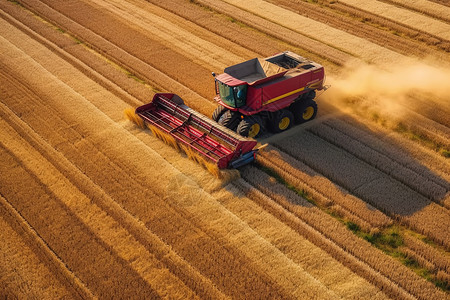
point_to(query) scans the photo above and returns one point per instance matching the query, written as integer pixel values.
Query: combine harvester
(272, 93)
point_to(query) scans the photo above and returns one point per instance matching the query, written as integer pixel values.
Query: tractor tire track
(67, 234)
(425, 7)
(135, 227)
(57, 280)
(356, 27)
(368, 262)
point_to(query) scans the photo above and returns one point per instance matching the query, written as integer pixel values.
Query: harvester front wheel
(304, 111)
(282, 120)
(250, 126)
(218, 112)
(230, 119)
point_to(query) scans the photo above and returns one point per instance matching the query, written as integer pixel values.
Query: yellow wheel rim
(254, 130)
(284, 123)
(308, 113)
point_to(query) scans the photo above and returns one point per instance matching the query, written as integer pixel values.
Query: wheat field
(353, 205)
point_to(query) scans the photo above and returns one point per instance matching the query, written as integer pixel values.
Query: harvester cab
(271, 93)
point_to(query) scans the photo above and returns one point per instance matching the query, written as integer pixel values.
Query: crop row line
(42, 249)
(347, 141)
(424, 7)
(180, 267)
(349, 242)
(175, 264)
(199, 249)
(119, 56)
(396, 27)
(321, 229)
(383, 239)
(56, 44)
(328, 14)
(383, 192)
(405, 17)
(306, 177)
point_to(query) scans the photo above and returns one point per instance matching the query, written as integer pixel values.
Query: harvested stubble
(163, 252)
(190, 153)
(348, 138)
(373, 186)
(25, 257)
(406, 152)
(403, 16)
(394, 279)
(436, 257)
(386, 143)
(266, 217)
(290, 197)
(324, 191)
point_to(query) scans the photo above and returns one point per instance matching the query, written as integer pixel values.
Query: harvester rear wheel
(230, 119)
(251, 126)
(282, 120)
(304, 111)
(218, 112)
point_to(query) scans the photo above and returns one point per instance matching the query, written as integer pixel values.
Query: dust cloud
(368, 86)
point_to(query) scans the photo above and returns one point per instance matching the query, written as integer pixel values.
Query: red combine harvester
(257, 94)
(273, 93)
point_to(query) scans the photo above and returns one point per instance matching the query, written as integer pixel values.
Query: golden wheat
(267, 218)
(193, 155)
(438, 258)
(133, 117)
(373, 152)
(403, 16)
(394, 279)
(26, 257)
(323, 190)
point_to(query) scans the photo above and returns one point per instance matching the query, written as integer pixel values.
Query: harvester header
(196, 134)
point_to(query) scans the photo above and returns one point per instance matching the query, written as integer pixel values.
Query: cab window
(233, 96)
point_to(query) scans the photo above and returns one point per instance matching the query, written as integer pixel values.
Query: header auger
(198, 136)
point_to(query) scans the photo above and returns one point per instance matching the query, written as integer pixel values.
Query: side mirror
(213, 74)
